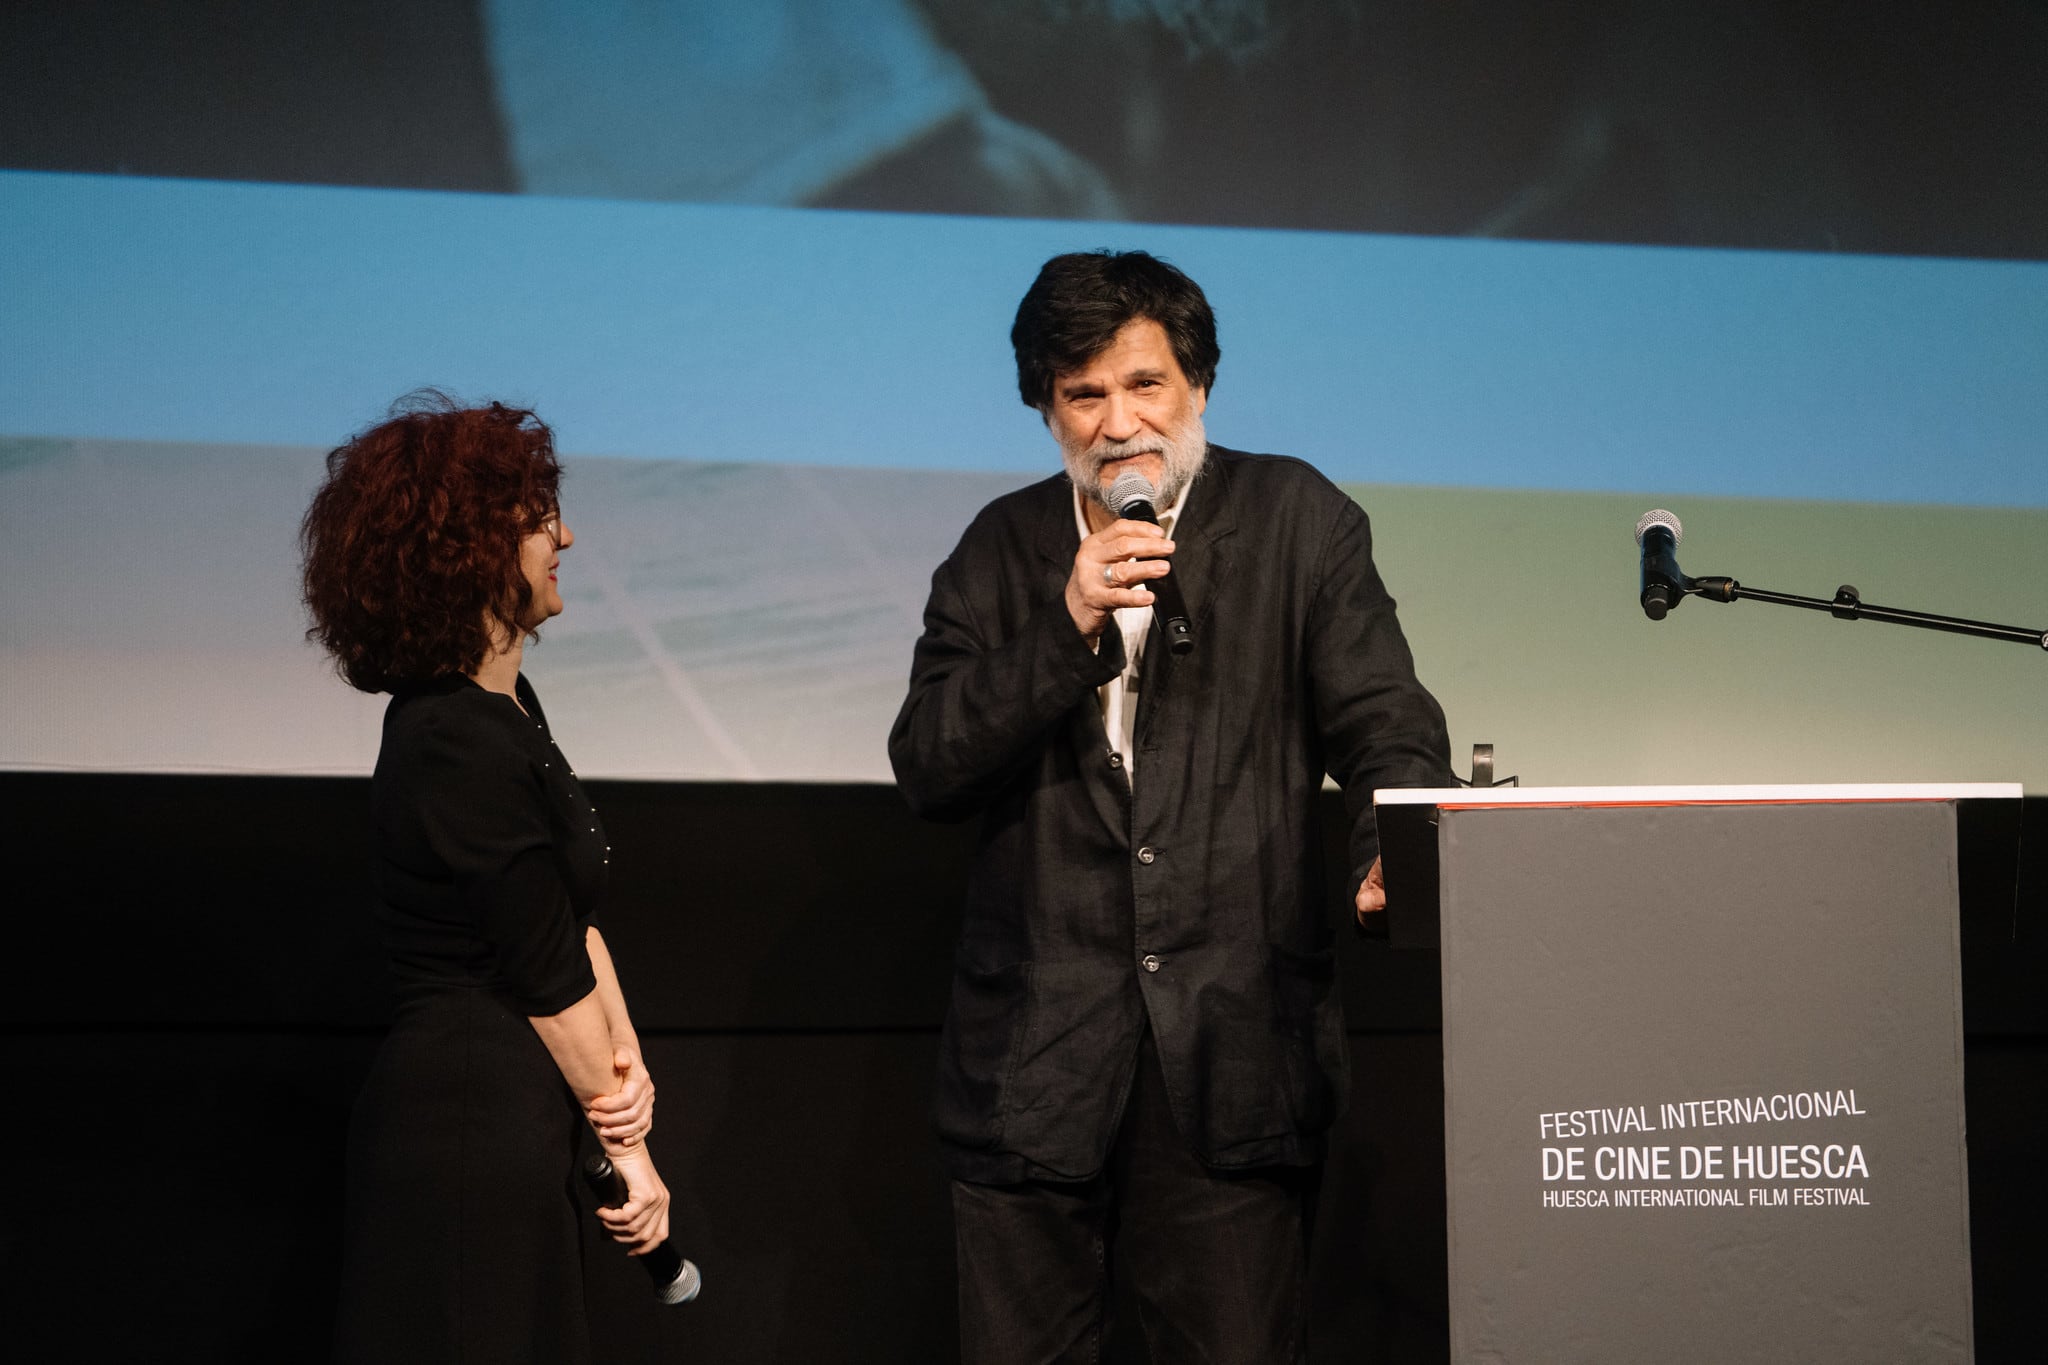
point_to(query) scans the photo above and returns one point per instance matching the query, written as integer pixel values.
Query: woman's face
(540, 554)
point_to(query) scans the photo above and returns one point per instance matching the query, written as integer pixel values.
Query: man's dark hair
(1081, 300)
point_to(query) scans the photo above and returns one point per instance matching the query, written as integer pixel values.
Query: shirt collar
(1167, 519)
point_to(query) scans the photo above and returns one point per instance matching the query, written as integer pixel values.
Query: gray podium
(1703, 1086)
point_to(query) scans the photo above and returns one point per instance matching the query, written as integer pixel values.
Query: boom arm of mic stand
(1848, 605)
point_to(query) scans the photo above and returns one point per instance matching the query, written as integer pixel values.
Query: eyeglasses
(551, 527)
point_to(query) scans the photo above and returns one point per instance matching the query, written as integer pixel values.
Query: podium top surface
(1680, 796)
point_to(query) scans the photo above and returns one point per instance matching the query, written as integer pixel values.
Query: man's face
(1130, 407)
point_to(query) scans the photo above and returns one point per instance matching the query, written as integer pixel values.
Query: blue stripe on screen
(196, 311)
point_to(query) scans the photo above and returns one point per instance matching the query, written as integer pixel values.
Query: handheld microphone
(1131, 497)
(676, 1279)
(1664, 586)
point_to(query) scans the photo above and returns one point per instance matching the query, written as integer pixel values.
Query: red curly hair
(411, 544)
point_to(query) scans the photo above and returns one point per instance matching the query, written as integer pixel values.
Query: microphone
(676, 1280)
(1131, 497)
(1664, 586)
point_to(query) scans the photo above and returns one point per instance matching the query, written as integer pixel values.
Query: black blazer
(1193, 897)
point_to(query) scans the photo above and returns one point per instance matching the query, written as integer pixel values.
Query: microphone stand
(1848, 605)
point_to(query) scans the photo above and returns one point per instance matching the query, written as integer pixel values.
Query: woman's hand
(627, 1114)
(641, 1223)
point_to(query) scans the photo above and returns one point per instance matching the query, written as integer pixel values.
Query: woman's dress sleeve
(485, 808)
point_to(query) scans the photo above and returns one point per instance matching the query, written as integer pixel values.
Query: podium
(1703, 1085)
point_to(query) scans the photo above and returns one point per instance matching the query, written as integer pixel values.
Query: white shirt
(1116, 697)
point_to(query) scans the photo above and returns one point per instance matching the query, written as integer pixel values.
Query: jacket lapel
(1058, 539)
(1108, 789)
(1203, 555)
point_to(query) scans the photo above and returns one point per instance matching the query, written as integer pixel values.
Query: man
(1145, 1045)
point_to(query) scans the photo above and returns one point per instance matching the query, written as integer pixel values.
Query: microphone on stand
(1664, 586)
(1132, 497)
(676, 1280)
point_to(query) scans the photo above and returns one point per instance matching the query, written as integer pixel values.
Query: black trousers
(1217, 1262)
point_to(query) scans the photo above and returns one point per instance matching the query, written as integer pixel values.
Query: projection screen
(756, 265)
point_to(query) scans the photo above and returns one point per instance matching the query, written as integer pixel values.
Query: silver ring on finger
(1109, 576)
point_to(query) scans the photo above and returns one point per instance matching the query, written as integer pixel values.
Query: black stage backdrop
(197, 989)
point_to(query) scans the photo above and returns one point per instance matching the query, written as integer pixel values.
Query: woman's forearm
(609, 995)
(594, 1044)
(580, 1040)
(627, 1116)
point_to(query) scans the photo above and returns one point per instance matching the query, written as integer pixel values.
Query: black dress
(464, 1230)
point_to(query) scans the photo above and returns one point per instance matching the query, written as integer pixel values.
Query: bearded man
(1145, 1047)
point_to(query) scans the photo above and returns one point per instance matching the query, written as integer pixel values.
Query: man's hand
(1372, 892)
(1109, 573)
(627, 1114)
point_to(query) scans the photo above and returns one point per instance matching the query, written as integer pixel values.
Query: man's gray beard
(1183, 452)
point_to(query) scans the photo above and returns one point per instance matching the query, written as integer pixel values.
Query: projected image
(756, 264)
(1839, 128)
(777, 422)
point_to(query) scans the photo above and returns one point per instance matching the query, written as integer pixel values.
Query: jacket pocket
(978, 1052)
(1309, 1020)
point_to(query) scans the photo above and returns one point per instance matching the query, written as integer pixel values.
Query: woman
(430, 559)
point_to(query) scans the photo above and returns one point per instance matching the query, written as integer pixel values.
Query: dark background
(197, 990)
